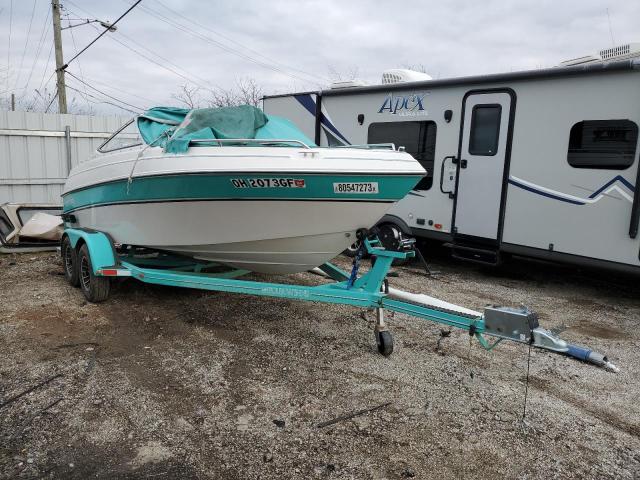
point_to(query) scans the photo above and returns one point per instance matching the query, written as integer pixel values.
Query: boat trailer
(91, 259)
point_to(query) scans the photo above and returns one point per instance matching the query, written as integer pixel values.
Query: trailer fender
(398, 222)
(101, 249)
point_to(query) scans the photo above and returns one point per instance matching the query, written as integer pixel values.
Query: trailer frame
(91, 258)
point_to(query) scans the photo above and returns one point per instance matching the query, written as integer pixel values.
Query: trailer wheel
(95, 288)
(352, 249)
(384, 340)
(69, 262)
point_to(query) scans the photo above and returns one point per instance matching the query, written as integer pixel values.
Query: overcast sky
(288, 45)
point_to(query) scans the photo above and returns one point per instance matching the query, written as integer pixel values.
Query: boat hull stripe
(237, 187)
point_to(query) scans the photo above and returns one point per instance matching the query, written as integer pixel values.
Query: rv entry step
(473, 253)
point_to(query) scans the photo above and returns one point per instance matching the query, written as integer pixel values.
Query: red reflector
(109, 272)
(438, 226)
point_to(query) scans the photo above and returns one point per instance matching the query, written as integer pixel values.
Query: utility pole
(57, 41)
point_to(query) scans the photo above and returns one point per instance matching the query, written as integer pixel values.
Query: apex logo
(408, 105)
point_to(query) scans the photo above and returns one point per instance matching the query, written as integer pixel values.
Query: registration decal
(268, 182)
(355, 187)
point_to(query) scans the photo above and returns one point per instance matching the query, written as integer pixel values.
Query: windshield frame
(101, 148)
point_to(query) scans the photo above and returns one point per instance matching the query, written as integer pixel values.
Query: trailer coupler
(521, 325)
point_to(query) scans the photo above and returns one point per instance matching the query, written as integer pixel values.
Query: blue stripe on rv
(306, 100)
(544, 194)
(618, 178)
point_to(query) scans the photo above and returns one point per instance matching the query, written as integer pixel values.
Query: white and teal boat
(234, 186)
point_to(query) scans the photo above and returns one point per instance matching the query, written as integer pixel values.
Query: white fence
(37, 150)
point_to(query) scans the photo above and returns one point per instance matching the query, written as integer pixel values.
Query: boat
(30, 227)
(235, 187)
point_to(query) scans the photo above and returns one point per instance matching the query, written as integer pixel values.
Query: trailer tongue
(90, 258)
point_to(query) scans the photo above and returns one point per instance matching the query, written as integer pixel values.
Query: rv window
(606, 144)
(418, 139)
(485, 130)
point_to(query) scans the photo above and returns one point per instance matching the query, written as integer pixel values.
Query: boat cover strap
(173, 128)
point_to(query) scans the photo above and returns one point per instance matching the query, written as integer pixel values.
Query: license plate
(355, 187)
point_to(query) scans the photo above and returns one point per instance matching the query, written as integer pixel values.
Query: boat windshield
(127, 136)
(177, 129)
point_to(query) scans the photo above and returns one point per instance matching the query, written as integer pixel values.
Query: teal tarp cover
(173, 128)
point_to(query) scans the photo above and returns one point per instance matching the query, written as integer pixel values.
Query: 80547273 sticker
(355, 187)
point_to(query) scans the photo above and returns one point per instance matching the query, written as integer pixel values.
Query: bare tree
(337, 76)
(223, 98)
(250, 93)
(420, 67)
(189, 95)
(42, 101)
(45, 101)
(81, 107)
(245, 92)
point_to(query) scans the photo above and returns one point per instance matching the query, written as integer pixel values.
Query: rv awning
(173, 128)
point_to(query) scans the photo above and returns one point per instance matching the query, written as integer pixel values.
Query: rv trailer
(540, 163)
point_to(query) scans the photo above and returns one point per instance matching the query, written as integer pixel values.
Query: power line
(45, 29)
(167, 60)
(128, 47)
(75, 47)
(189, 78)
(51, 102)
(46, 68)
(103, 93)
(140, 97)
(9, 43)
(209, 29)
(99, 36)
(220, 45)
(26, 44)
(100, 100)
(84, 77)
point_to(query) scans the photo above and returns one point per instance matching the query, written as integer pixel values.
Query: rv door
(482, 155)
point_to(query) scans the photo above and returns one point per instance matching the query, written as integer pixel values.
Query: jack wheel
(384, 340)
(69, 262)
(95, 288)
(352, 250)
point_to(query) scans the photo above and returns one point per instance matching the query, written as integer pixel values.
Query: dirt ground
(164, 382)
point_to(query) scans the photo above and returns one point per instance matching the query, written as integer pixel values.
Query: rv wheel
(95, 288)
(384, 340)
(69, 262)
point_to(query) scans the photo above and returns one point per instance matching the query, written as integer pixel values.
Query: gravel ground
(168, 383)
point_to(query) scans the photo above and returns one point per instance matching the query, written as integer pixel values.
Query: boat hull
(264, 209)
(275, 237)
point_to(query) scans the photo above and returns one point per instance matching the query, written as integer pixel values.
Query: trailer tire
(95, 288)
(384, 342)
(69, 262)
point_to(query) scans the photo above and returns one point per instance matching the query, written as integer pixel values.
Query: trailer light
(438, 226)
(108, 272)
